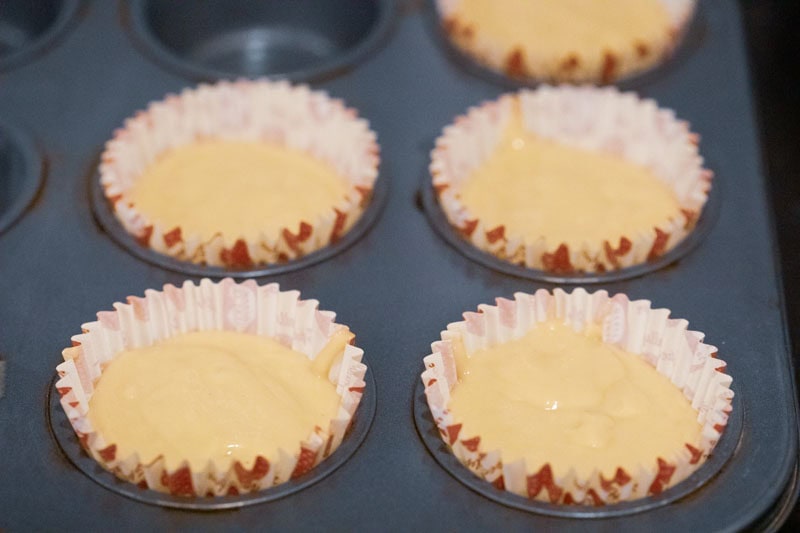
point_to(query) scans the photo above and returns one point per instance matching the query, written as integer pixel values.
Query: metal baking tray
(71, 71)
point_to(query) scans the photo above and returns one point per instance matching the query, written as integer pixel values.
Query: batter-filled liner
(605, 62)
(244, 111)
(247, 308)
(664, 343)
(586, 118)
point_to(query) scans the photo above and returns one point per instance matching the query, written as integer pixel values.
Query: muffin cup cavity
(602, 120)
(665, 344)
(300, 40)
(513, 64)
(20, 174)
(27, 28)
(247, 307)
(292, 116)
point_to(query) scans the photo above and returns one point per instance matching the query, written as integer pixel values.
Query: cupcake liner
(570, 67)
(248, 308)
(589, 118)
(245, 110)
(633, 326)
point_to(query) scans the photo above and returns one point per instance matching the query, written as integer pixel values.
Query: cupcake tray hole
(438, 220)
(20, 174)
(104, 215)
(300, 40)
(68, 442)
(27, 26)
(692, 38)
(724, 450)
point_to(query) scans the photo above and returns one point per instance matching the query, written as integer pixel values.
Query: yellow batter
(537, 187)
(238, 188)
(216, 395)
(569, 399)
(558, 29)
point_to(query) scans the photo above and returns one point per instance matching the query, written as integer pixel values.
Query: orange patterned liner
(589, 118)
(246, 110)
(664, 343)
(247, 307)
(608, 67)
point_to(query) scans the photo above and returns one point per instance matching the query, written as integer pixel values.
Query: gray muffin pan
(80, 68)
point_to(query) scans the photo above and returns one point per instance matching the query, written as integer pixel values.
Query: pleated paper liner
(588, 118)
(515, 65)
(666, 344)
(276, 112)
(246, 307)
(438, 221)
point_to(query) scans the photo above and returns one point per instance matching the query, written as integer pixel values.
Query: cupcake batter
(237, 188)
(550, 33)
(213, 395)
(541, 188)
(569, 399)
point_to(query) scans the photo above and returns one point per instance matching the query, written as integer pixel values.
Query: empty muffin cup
(26, 28)
(20, 174)
(299, 40)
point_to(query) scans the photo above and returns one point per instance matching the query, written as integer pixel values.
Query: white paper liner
(589, 118)
(606, 67)
(633, 326)
(244, 110)
(247, 308)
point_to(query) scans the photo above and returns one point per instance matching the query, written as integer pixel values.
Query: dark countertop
(775, 67)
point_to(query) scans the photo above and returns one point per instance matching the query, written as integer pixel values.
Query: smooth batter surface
(537, 187)
(558, 28)
(238, 188)
(217, 395)
(569, 399)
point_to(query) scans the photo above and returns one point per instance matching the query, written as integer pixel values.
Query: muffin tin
(398, 283)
